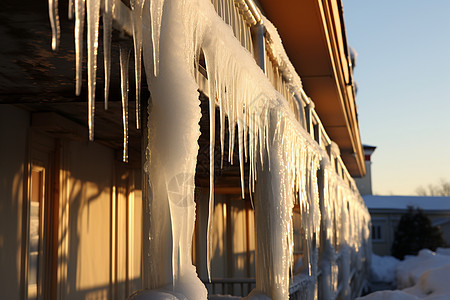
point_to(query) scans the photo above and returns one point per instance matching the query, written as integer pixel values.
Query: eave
(313, 35)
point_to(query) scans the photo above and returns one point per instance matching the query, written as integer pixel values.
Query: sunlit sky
(403, 75)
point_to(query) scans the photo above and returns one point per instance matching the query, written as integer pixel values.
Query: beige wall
(89, 197)
(104, 242)
(13, 140)
(364, 183)
(100, 212)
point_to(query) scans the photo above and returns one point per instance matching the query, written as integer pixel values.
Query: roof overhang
(313, 35)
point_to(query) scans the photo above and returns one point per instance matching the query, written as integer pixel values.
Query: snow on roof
(403, 202)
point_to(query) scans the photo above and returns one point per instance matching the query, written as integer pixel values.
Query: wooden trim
(51, 209)
(247, 237)
(42, 157)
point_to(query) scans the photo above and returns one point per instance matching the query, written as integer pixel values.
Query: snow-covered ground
(382, 268)
(425, 276)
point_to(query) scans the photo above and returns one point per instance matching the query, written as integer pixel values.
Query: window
(35, 234)
(377, 232)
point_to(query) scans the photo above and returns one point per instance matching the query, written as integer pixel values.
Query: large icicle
(174, 132)
(125, 49)
(156, 12)
(212, 138)
(136, 9)
(93, 15)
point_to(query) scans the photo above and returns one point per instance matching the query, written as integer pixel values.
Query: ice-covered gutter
(276, 51)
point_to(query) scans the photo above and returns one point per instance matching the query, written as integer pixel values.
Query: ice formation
(284, 160)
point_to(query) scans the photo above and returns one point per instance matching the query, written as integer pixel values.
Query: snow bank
(443, 251)
(383, 268)
(411, 269)
(433, 284)
(389, 295)
(425, 276)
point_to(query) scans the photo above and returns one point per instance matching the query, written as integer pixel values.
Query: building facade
(102, 213)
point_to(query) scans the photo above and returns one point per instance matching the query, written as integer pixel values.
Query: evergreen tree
(415, 232)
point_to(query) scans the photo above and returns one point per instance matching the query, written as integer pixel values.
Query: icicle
(107, 31)
(79, 28)
(93, 15)
(70, 10)
(241, 151)
(228, 12)
(156, 11)
(231, 134)
(209, 61)
(125, 49)
(220, 8)
(212, 137)
(136, 8)
(54, 22)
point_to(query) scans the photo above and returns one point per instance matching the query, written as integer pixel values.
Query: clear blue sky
(403, 75)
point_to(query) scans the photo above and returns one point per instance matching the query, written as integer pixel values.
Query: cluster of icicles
(171, 34)
(346, 224)
(91, 10)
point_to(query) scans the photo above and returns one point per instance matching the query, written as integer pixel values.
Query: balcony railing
(230, 286)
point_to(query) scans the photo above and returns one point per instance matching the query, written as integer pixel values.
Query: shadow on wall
(232, 244)
(102, 259)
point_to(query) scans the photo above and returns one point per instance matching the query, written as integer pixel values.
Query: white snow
(411, 269)
(403, 202)
(443, 251)
(383, 268)
(424, 276)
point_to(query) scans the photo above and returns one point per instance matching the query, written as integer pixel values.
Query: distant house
(386, 211)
